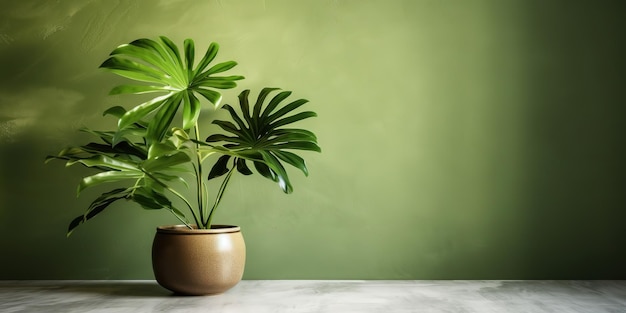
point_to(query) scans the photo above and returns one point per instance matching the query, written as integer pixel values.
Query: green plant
(149, 152)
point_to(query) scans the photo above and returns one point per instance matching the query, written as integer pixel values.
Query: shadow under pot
(198, 261)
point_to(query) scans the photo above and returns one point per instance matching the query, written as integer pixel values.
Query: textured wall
(462, 139)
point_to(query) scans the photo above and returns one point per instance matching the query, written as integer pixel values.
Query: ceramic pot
(198, 261)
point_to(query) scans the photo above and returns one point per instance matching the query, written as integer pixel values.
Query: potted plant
(157, 150)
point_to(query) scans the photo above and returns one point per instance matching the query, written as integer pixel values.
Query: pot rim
(184, 230)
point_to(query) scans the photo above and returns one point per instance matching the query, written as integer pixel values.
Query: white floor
(320, 296)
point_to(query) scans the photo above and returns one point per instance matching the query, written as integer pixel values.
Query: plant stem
(180, 219)
(220, 193)
(186, 202)
(195, 218)
(201, 191)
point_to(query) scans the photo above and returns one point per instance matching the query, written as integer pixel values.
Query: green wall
(461, 139)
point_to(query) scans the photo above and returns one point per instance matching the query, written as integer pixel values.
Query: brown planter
(198, 261)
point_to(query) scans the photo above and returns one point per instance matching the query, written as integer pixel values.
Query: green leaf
(172, 51)
(167, 161)
(160, 149)
(248, 154)
(286, 109)
(220, 137)
(107, 177)
(179, 215)
(229, 127)
(147, 51)
(179, 138)
(274, 164)
(291, 119)
(74, 223)
(220, 167)
(138, 89)
(191, 110)
(116, 111)
(245, 107)
(218, 68)
(229, 78)
(260, 99)
(148, 46)
(274, 103)
(209, 55)
(242, 167)
(287, 137)
(180, 133)
(70, 153)
(189, 56)
(106, 136)
(154, 53)
(265, 171)
(299, 145)
(146, 202)
(134, 70)
(97, 206)
(140, 111)
(242, 125)
(106, 198)
(138, 51)
(150, 199)
(169, 178)
(163, 119)
(213, 96)
(216, 82)
(256, 114)
(123, 148)
(305, 133)
(123, 135)
(293, 159)
(107, 162)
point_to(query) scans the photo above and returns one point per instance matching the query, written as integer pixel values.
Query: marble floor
(296, 296)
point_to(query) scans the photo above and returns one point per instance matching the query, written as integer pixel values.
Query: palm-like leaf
(260, 136)
(144, 169)
(160, 64)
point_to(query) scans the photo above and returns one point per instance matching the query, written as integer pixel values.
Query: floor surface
(320, 296)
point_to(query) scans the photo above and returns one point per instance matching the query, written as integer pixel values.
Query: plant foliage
(261, 136)
(150, 156)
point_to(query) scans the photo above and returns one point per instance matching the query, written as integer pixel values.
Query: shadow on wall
(37, 104)
(576, 148)
(45, 48)
(26, 213)
(42, 103)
